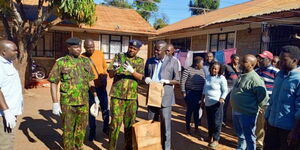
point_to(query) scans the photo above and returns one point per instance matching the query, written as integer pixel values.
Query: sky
(176, 10)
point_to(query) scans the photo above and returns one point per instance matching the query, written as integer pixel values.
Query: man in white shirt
(11, 97)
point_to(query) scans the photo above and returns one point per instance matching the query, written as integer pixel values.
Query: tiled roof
(235, 12)
(119, 19)
(109, 19)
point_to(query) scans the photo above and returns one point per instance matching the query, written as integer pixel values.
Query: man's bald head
(5, 44)
(89, 46)
(88, 41)
(159, 49)
(170, 50)
(8, 50)
(248, 63)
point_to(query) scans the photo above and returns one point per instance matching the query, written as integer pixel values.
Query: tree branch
(22, 12)
(17, 15)
(6, 26)
(39, 20)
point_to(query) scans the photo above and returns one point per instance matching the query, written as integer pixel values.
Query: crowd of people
(263, 91)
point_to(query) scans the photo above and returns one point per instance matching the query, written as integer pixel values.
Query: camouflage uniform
(74, 75)
(124, 99)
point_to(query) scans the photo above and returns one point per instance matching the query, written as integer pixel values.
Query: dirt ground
(39, 129)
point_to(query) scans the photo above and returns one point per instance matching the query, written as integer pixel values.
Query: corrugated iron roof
(109, 19)
(235, 12)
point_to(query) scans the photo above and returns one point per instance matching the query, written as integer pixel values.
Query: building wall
(248, 43)
(144, 49)
(199, 42)
(85, 35)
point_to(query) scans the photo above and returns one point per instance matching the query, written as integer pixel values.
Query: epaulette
(59, 58)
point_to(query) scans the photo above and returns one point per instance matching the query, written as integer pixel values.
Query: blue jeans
(245, 126)
(102, 94)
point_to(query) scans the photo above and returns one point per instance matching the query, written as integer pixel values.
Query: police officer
(74, 73)
(126, 69)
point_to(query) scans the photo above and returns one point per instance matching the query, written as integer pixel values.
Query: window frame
(112, 40)
(218, 40)
(35, 51)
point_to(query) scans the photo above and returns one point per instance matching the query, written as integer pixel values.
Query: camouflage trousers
(74, 123)
(122, 110)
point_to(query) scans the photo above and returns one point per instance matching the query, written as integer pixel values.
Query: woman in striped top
(192, 82)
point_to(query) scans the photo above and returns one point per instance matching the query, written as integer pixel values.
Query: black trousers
(276, 139)
(214, 120)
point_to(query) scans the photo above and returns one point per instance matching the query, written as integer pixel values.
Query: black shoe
(188, 131)
(91, 138)
(92, 134)
(259, 148)
(106, 132)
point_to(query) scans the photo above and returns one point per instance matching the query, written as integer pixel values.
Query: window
(182, 43)
(113, 44)
(221, 41)
(44, 47)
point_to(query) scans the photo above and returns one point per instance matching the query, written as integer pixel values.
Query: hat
(73, 41)
(135, 43)
(266, 54)
(94, 110)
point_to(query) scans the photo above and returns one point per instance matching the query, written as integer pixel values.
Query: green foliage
(5, 6)
(119, 3)
(80, 11)
(144, 7)
(200, 4)
(159, 23)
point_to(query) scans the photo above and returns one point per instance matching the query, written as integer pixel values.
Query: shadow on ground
(43, 129)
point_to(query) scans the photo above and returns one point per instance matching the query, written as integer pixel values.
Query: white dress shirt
(10, 85)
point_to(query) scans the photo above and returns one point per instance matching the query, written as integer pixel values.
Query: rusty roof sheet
(235, 12)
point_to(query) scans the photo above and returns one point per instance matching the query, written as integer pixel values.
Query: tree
(198, 7)
(146, 8)
(160, 22)
(118, 3)
(26, 32)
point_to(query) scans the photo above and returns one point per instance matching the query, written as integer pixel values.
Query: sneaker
(214, 144)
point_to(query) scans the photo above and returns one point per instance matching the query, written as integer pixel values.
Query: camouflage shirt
(125, 86)
(74, 75)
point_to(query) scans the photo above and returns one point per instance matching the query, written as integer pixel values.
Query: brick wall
(199, 42)
(248, 43)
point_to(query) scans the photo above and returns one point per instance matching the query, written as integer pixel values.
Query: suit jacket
(169, 71)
